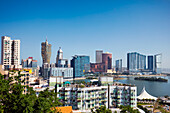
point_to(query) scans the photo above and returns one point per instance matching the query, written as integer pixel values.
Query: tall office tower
(99, 56)
(59, 54)
(80, 64)
(60, 62)
(15, 52)
(107, 61)
(29, 63)
(10, 52)
(150, 63)
(46, 52)
(119, 65)
(157, 63)
(136, 62)
(142, 62)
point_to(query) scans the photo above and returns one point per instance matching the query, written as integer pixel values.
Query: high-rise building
(107, 61)
(157, 63)
(59, 55)
(60, 62)
(118, 65)
(99, 56)
(10, 52)
(6, 53)
(150, 63)
(15, 52)
(80, 64)
(29, 63)
(46, 52)
(136, 62)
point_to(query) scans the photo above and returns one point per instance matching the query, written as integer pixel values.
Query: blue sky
(83, 26)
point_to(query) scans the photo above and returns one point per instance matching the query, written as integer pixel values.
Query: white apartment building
(10, 52)
(6, 53)
(85, 98)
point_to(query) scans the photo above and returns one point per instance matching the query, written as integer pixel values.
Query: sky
(80, 27)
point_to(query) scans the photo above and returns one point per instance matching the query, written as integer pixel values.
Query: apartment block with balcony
(85, 98)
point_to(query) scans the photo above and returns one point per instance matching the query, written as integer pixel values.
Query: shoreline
(139, 75)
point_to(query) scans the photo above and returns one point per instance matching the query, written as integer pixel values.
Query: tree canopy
(128, 109)
(12, 99)
(101, 109)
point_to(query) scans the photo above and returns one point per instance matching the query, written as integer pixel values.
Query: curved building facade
(46, 52)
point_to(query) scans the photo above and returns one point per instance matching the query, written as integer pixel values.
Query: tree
(46, 101)
(102, 109)
(128, 109)
(12, 99)
(144, 109)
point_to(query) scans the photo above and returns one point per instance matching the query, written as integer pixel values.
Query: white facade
(60, 71)
(64, 72)
(56, 80)
(10, 52)
(6, 49)
(95, 96)
(106, 80)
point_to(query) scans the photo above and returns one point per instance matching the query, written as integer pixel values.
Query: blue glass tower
(136, 62)
(80, 64)
(119, 65)
(150, 63)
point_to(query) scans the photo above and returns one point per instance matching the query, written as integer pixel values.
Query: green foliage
(140, 103)
(144, 109)
(166, 96)
(151, 79)
(12, 99)
(102, 109)
(80, 82)
(128, 109)
(81, 86)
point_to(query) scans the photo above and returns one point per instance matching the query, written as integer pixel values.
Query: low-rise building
(104, 80)
(24, 76)
(111, 96)
(66, 73)
(29, 63)
(53, 81)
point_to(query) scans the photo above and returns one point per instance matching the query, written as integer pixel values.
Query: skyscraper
(119, 65)
(6, 51)
(107, 61)
(150, 63)
(46, 52)
(80, 64)
(157, 63)
(136, 62)
(10, 52)
(15, 52)
(59, 54)
(99, 56)
(60, 62)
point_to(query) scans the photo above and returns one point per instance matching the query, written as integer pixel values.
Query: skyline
(119, 26)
